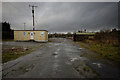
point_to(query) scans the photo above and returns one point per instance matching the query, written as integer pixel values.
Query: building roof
(87, 33)
(30, 30)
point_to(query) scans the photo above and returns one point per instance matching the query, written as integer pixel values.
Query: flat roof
(30, 30)
(87, 33)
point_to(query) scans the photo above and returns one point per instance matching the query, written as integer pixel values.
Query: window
(24, 33)
(42, 33)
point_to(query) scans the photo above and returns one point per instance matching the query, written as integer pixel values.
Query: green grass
(11, 55)
(108, 51)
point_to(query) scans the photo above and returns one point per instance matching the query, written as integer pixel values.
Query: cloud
(62, 16)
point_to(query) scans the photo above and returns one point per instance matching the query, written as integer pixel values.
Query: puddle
(80, 48)
(98, 65)
(55, 54)
(73, 59)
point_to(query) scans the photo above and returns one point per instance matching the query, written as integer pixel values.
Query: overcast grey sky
(62, 16)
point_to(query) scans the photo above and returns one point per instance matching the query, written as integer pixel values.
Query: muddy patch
(19, 70)
(84, 69)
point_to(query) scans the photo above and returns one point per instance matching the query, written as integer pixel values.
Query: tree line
(7, 32)
(107, 36)
(58, 35)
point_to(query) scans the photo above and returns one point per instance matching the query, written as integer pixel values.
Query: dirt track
(57, 59)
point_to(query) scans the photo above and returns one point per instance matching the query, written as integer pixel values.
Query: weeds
(107, 51)
(8, 55)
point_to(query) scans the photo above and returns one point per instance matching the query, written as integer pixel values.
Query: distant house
(26, 35)
(83, 36)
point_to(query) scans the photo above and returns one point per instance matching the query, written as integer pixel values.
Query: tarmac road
(57, 59)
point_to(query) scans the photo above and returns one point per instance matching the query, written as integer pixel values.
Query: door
(31, 35)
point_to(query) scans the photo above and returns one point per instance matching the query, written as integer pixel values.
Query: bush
(110, 37)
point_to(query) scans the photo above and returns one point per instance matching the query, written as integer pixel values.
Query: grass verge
(18, 51)
(107, 51)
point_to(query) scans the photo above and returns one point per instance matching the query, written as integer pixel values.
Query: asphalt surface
(57, 59)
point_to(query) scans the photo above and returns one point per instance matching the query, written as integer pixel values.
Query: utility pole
(33, 15)
(24, 26)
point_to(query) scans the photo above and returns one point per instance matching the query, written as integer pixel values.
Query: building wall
(46, 34)
(39, 37)
(25, 35)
